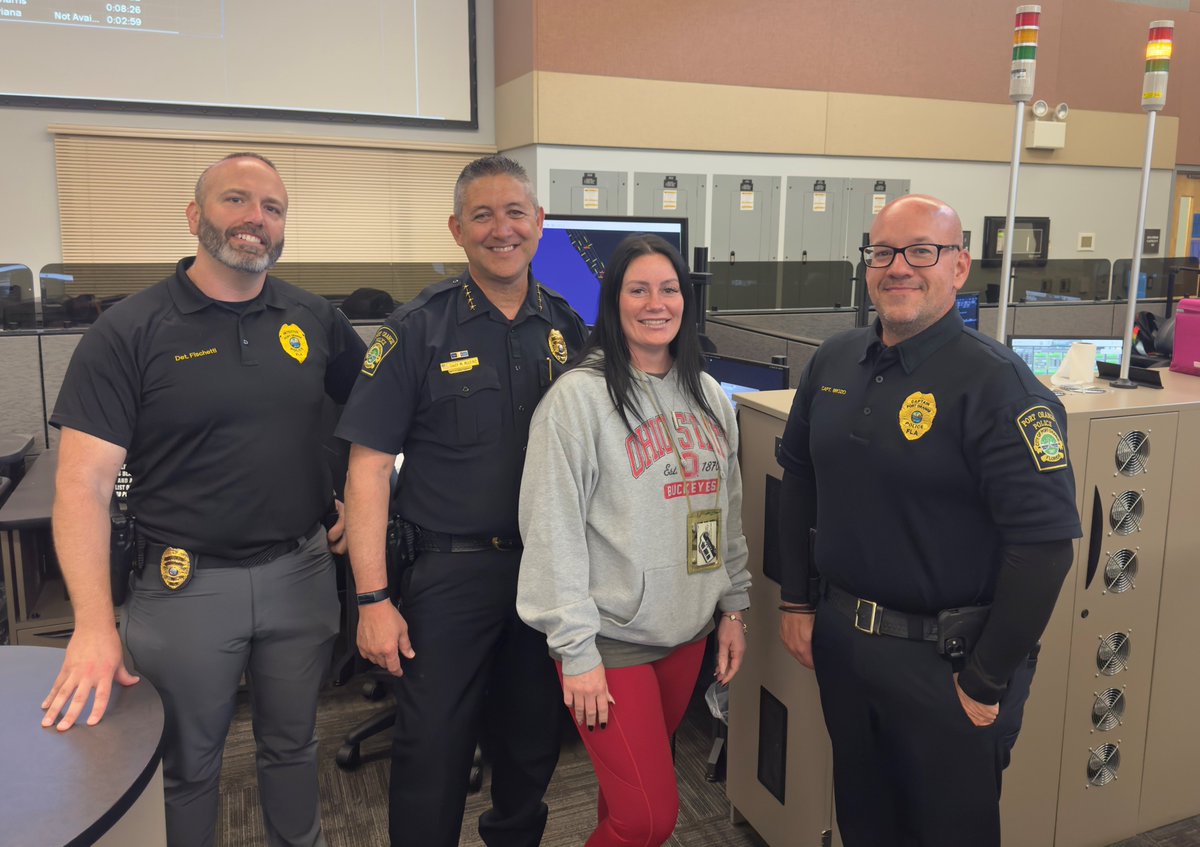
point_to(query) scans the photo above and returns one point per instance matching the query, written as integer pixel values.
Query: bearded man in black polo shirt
(210, 386)
(933, 467)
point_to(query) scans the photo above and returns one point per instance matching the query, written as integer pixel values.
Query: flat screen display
(968, 308)
(358, 61)
(1044, 354)
(574, 252)
(742, 376)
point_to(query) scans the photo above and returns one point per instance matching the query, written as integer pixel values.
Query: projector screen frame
(27, 101)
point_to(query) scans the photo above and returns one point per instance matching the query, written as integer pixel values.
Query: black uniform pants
(909, 767)
(479, 672)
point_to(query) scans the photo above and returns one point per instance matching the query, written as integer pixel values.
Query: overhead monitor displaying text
(408, 62)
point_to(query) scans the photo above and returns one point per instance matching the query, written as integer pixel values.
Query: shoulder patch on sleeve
(1039, 427)
(385, 341)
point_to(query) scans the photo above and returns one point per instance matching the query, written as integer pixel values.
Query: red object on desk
(1186, 357)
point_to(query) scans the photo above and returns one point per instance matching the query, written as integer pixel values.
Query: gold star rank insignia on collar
(916, 415)
(558, 346)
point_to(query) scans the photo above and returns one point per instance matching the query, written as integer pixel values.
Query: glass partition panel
(1154, 274)
(76, 294)
(779, 285)
(1056, 280)
(817, 285)
(16, 297)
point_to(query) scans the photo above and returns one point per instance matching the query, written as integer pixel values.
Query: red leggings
(639, 801)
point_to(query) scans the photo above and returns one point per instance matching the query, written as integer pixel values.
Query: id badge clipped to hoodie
(704, 540)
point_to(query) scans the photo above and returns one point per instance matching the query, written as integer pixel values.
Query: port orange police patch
(385, 341)
(1043, 436)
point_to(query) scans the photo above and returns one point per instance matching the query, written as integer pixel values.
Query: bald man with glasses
(928, 511)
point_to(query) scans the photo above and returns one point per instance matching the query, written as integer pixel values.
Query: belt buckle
(502, 544)
(872, 626)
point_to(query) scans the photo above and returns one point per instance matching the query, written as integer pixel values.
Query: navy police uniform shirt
(219, 408)
(927, 457)
(451, 383)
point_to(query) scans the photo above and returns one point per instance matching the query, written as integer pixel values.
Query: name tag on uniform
(458, 366)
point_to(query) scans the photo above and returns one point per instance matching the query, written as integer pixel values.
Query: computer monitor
(741, 376)
(1044, 353)
(968, 308)
(575, 250)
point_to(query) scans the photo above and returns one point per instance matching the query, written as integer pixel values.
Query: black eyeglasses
(917, 255)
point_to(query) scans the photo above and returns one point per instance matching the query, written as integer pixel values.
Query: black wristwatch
(371, 597)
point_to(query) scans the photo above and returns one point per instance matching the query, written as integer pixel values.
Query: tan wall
(603, 111)
(1090, 53)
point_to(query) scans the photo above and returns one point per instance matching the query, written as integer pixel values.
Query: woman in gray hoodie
(630, 513)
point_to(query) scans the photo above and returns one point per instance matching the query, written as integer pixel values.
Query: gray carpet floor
(354, 803)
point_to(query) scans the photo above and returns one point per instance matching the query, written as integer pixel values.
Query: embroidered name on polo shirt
(829, 389)
(1039, 427)
(385, 341)
(917, 414)
(195, 354)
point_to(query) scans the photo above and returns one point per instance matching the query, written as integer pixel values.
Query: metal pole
(1135, 269)
(1020, 91)
(1159, 47)
(1009, 222)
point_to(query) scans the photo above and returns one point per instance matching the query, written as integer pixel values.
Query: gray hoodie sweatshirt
(604, 517)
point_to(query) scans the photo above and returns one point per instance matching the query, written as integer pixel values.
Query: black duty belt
(871, 618)
(154, 553)
(444, 542)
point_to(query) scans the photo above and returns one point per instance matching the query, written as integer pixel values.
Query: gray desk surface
(69, 788)
(30, 503)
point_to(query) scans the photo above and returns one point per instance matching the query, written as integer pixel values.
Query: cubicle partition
(16, 297)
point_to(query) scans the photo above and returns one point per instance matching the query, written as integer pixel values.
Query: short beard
(216, 244)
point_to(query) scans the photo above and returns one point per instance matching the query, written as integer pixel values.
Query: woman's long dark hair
(609, 337)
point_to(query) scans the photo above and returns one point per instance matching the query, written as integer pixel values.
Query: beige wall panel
(516, 37)
(517, 112)
(1109, 139)
(618, 112)
(913, 128)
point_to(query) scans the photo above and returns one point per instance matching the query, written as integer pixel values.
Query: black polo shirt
(927, 457)
(451, 383)
(219, 409)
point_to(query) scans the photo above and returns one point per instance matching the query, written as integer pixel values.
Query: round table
(87, 785)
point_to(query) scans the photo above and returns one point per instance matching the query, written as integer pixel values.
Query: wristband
(733, 617)
(793, 609)
(371, 597)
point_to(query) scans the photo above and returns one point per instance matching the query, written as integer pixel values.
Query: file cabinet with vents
(1109, 741)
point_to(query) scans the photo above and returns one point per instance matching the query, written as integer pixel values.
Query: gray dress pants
(276, 622)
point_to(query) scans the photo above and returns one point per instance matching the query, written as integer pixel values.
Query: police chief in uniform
(933, 467)
(210, 385)
(451, 381)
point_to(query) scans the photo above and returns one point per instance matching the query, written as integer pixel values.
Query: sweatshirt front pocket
(671, 610)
